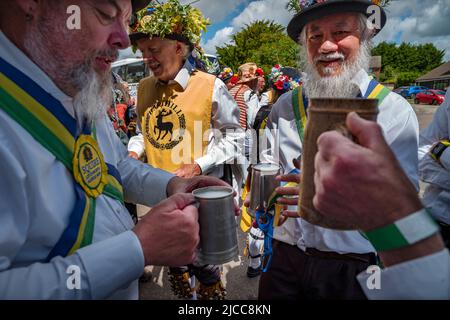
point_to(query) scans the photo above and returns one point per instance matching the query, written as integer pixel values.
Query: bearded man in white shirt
(65, 174)
(310, 262)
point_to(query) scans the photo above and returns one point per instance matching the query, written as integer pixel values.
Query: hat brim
(247, 80)
(330, 7)
(136, 36)
(139, 4)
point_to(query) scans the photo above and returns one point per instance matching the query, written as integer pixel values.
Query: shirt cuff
(136, 144)
(445, 159)
(112, 264)
(205, 163)
(425, 278)
(138, 150)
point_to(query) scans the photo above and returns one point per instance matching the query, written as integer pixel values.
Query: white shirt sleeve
(431, 171)
(105, 266)
(401, 132)
(426, 278)
(253, 106)
(264, 100)
(136, 144)
(224, 140)
(270, 151)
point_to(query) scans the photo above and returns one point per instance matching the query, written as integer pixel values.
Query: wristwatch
(438, 149)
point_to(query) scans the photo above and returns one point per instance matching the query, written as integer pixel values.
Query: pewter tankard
(262, 185)
(218, 237)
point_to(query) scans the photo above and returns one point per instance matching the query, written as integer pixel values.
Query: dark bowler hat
(139, 4)
(315, 9)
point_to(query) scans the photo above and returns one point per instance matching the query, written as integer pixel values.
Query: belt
(362, 257)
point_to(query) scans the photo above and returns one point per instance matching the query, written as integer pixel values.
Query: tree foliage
(263, 42)
(404, 63)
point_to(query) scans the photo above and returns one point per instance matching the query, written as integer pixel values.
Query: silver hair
(184, 47)
(186, 50)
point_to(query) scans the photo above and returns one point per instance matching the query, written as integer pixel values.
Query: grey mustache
(329, 57)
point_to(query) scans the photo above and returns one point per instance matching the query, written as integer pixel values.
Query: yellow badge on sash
(89, 168)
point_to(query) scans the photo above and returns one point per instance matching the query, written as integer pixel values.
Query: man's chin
(329, 72)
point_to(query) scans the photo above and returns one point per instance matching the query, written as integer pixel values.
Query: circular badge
(164, 125)
(89, 168)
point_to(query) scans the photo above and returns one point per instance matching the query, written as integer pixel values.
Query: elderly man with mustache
(64, 230)
(310, 262)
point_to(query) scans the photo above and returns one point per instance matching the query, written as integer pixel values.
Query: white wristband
(404, 232)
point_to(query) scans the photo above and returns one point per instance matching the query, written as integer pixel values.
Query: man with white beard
(310, 262)
(64, 230)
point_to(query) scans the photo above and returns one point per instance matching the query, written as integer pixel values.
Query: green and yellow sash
(48, 122)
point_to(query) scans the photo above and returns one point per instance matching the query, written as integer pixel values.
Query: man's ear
(178, 48)
(29, 7)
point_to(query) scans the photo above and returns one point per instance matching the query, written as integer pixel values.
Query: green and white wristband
(404, 232)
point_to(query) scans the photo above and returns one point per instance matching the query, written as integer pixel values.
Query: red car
(435, 97)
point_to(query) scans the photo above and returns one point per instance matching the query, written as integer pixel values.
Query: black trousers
(295, 275)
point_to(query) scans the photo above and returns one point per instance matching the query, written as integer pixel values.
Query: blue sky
(415, 21)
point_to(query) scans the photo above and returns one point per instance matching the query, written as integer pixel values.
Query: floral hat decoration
(284, 79)
(170, 20)
(310, 10)
(226, 74)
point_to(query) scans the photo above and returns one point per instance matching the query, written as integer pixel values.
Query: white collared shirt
(437, 193)
(224, 115)
(400, 128)
(425, 278)
(36, 200)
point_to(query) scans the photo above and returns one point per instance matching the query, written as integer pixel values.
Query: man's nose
(119, 37)
(328, 46)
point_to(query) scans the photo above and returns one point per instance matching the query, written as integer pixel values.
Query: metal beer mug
(262, 185)
(218, 236)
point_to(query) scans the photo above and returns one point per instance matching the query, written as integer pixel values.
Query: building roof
(441, 72)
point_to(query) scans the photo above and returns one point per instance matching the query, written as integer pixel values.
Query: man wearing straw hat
(245, 94)
(311, 262)
(64, 230)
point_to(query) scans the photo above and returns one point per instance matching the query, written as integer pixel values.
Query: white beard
(94, 99)
(340, 86)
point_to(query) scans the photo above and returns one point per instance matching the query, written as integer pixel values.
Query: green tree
(403, 64)
(263, 42)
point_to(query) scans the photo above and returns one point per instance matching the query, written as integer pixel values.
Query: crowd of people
(78, 153)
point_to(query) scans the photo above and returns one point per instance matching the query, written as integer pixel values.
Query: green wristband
(404, 232)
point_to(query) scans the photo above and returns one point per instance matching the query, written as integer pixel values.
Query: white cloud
(216, 10)
(418, 21)
(256, 10)
(264, 9)
(222, 37)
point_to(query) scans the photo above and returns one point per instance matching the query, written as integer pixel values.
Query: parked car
(435, 97)
(410, 91)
